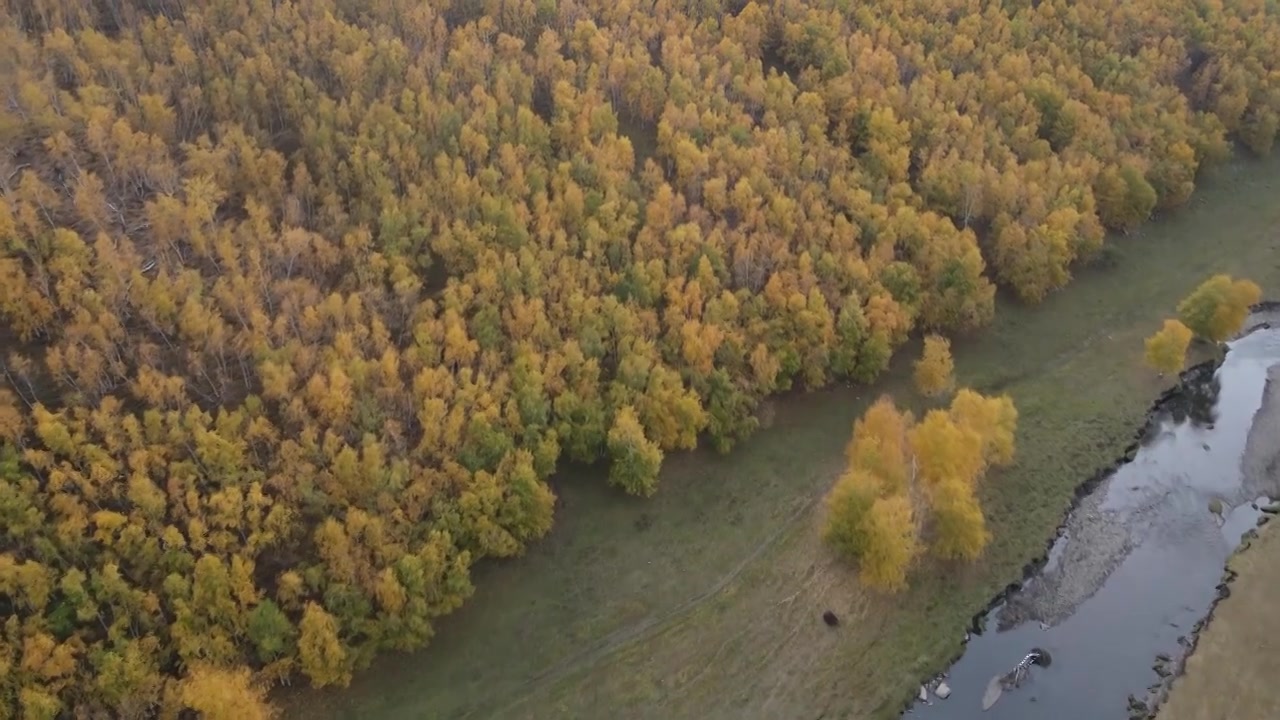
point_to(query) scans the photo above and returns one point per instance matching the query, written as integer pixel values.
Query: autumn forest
(302, 302)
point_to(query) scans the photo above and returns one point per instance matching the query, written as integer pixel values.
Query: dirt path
(1231, 675)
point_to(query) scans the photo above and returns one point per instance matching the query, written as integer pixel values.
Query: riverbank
(1231, 673)
(1231, 669)
(704, 602)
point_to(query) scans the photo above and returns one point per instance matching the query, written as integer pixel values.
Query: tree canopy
(1217, 309)
(302, 302)
(935, 370)
(908, 483)
(1166, 350)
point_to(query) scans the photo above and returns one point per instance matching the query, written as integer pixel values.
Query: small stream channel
(1138, 562)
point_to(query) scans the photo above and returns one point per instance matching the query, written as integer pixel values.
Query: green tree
(634, 459)
(1217, 309)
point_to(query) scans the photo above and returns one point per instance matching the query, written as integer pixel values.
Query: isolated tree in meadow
(1166, 350)
(1217, 309)
(935, 370)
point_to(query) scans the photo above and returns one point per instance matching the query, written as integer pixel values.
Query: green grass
(704, 601)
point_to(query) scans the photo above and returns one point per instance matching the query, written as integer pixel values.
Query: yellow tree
(879, 444)
(1217, 309)
(1166, 351)
(994, 419)
(875, 528)
(225, 694)
(946, 451)
(322, 656)
(891, 543)
(935, 371)
(959, 528)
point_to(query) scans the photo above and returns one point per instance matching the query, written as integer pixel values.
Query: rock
(1163, 657)
(924, 694)
(1215, 506)
(1137, 709)
(1161, 670)
(1272, 509)
(943, 691)
(1044, 625)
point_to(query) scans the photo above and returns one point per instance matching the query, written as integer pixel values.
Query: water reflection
(1195, 403)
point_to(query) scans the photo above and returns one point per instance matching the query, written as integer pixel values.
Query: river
(1138, 563)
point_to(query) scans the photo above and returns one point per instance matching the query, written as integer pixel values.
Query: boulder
(943, 691)
(924, 694)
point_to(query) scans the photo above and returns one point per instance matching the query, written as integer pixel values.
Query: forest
(302, 302)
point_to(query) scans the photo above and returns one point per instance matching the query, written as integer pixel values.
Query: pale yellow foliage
(892, 543)
(879, 444)
(994, 419)
(959, 528)
(935, 370)
(225, 694)
(945, 450)
(1166, 351)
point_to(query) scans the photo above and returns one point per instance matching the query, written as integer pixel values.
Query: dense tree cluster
(909, 482)
(304, 300)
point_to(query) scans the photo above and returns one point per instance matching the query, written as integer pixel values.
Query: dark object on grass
(830, 618)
